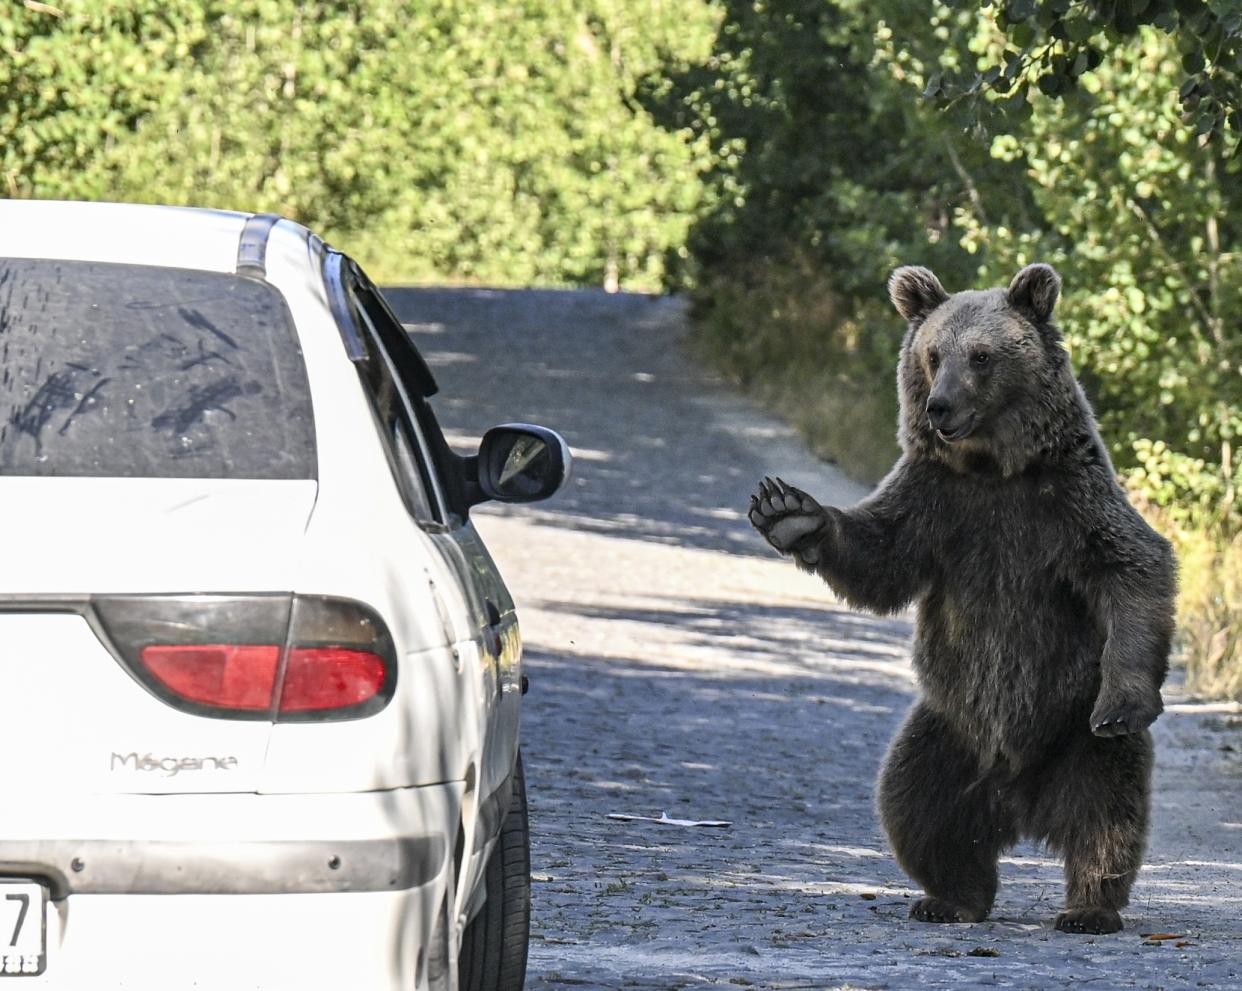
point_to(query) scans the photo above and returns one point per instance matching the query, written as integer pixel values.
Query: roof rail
(252, 245)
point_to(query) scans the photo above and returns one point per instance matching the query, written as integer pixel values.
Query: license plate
(23, 928)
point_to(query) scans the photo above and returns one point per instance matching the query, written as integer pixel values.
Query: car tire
(494, 945)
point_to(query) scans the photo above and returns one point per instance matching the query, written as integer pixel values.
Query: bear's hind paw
(1096, 921)
(931, 909)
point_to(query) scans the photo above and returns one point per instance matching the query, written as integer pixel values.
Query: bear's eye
(980, 359)
(933, 359)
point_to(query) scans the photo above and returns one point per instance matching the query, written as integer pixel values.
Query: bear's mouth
(957, 433)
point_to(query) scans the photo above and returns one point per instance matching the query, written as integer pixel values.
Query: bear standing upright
(1044, 606)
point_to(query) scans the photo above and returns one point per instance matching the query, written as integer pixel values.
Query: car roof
(133, 233)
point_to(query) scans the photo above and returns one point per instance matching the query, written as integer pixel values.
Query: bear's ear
(915, 291)
(1034, 291)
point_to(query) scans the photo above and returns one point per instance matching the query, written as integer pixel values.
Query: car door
(426, 464)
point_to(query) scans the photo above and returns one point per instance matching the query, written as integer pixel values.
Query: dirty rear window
(139, 371)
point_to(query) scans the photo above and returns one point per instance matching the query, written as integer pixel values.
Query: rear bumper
(238, 867)
(238, 891)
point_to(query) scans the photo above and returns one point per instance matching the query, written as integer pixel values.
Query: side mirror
(520, 462)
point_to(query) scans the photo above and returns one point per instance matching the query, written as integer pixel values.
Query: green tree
(820, 186)
(826, 172)
(73, 84)
(1054, 44)
(1143, 223)
(483, 140)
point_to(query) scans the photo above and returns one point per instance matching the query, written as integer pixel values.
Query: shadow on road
(813, 639)
(656, 456)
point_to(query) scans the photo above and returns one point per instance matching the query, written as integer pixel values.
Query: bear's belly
(1014, 673)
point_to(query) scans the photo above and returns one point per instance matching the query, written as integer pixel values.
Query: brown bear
(1044, 604)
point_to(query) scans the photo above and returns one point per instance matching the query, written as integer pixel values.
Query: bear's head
(984, 378)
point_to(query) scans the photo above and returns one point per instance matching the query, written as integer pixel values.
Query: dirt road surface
(677, 665)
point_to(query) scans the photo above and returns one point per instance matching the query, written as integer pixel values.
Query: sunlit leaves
(1062, 40)
(1140, 220)
(492, 141)
(1066, 146)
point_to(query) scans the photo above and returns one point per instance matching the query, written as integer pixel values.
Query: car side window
(391, 404)
(443, 467)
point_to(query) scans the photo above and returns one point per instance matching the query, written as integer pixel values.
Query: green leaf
(1051, 84)
(1020, 10)
(1024, 34)
(1016, 102)
(1079, 29)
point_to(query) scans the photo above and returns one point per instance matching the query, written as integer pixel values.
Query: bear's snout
(939, 411)
(947, 420)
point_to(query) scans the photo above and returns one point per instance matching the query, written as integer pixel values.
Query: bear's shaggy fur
(1045, 606)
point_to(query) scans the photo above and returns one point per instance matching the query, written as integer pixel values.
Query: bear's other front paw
(1117, 716)
(1097, 921)
(929, 909)
(787, 517)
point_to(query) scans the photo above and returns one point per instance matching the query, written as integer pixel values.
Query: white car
(260, 679)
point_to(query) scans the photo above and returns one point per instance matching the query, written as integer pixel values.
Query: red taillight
(233, 676)
(318, 678)
(282, 657)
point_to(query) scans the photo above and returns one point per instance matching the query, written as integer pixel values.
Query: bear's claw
(787, 517)
(1120, 718)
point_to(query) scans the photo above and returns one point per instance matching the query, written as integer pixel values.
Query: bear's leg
(946, 822)
(1093, 807)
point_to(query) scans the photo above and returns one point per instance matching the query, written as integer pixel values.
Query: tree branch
(972, 190)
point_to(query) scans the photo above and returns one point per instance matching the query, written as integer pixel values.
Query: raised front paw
(1117, 716)
(787, 517)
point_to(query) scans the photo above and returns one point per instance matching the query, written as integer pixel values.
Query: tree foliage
(826, 172)
(801, 161)
(483, 139)
(1106, 182)
(1052, 45)
(1143, 222)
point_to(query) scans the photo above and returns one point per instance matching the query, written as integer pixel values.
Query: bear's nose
(938, 411)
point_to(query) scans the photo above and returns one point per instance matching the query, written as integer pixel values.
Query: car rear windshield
(141, 371)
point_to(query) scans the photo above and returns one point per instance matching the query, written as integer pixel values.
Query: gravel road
(677, 665)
